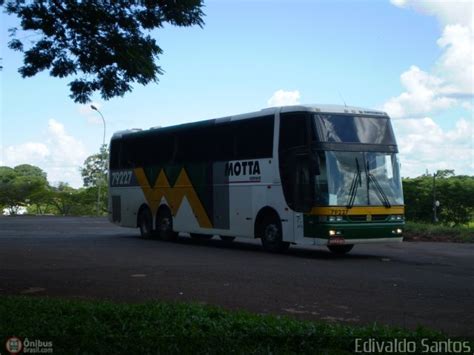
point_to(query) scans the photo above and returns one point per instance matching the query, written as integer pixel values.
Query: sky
(412, 59)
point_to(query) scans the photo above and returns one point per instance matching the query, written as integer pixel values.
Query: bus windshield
(357, 179)
(339, 128)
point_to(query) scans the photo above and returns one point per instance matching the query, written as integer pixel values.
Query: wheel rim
(271, 233)
(145, 225)
(165, 224)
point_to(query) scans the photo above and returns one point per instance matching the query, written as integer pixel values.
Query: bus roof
(264, 112)
(331, 109)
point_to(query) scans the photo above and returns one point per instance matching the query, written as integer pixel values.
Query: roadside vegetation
(25, 188)
(432, 232)
(455, 194)
(95, 327)
(455, 212)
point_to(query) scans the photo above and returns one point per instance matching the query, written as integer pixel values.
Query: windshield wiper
(353, 189)
(378, 189)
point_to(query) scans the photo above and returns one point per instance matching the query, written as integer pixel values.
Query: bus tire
(145, 223)
(227, 238)
(199, 236)
(340, 249)
(272, 236)
(164, 224)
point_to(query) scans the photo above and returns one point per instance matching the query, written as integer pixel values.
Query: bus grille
(363, 218)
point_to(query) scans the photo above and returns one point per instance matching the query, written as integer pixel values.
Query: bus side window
(115, 154)
(293, 130)
(130, 154)
(253, 138)
(224, 142)
(162, 149)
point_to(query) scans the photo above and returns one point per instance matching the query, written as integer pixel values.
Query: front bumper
(353, 233)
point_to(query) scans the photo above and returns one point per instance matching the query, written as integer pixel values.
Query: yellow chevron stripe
(357, 210)
(173, 195)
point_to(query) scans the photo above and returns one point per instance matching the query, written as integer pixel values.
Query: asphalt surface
(406, 284)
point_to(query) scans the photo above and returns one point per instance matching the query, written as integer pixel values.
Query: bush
(455, 194)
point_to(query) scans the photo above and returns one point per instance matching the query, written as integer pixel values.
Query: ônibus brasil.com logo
(15, 345)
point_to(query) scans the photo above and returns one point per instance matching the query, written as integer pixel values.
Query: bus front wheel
(164, 225)
(341, 249)
(271, 235)
(145, 223)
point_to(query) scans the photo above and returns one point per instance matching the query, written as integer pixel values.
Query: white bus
(319, 175)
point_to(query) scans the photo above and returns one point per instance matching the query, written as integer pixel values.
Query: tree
(87, 201)
(444, 173)
(455, 194)
(104, 45)
(95, 168)
(418, 198)
(63, 198)
(20, 186)
(94, 175)
(30, 170)
(7, 176)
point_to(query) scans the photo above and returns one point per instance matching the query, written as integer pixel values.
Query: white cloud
(424, 93)
(425, 145)
(27, 151)
(447, 12)
(451, 82)
(284, 98)
(60, 155)
(456, 64)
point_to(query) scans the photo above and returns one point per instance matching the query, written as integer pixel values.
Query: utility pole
(99, 182)
(435, 203)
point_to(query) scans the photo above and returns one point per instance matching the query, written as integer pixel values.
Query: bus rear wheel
(272, 240)
(145, 223)
(340, 249)
(164, 225)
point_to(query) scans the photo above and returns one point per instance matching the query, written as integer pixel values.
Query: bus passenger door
(303, 196)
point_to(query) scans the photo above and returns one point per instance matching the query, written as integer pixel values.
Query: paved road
(406, 284)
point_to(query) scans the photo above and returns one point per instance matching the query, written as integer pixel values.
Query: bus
(308, 174)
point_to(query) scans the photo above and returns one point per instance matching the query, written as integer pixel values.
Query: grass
(436, 232)
(93, 327)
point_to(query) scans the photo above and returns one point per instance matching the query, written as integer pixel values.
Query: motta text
(238, 168)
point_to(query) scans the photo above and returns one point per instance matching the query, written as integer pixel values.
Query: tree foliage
(104, 45)
(30, 171)
(27, 186)
(20, 186)
(95, 167)
(455, 194)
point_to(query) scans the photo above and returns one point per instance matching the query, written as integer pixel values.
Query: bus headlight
(397, 231)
